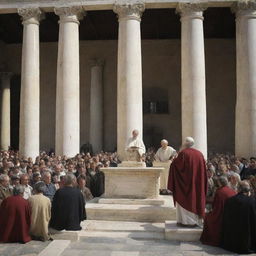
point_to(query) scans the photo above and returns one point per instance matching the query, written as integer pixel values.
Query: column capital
(70, 13)
(244, 8)
(97, 62)
(131, 9)
(5, 75)
(31, 15)
(191, 10)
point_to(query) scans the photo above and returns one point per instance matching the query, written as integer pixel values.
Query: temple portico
(53, 75)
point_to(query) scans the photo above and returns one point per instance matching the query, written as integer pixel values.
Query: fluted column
(96, 105)
(129, 72)
(30, 85)
(193, 94)
(245, 134)
(67, 137)
(5, 114)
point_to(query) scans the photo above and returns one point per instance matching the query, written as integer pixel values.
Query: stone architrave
(30, 83)
(67, 137)
(245, 127)
(193, 92)
(129, 72)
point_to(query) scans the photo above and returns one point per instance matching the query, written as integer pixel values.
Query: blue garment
(50, 191)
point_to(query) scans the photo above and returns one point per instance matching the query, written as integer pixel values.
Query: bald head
(135, 133)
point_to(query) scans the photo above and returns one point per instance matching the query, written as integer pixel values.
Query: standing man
(188, 183)
(5, 190)
(165, 153)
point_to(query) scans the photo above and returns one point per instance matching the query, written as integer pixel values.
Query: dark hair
(81, 177)
(253, 158)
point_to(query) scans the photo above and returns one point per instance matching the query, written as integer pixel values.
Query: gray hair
(70, 179)
(3, 177)
(189, 142)
(223, 180)
(236, 175)
(39, 187)
(165, 141)
(46, 173)
(18, 190)
(244, 187)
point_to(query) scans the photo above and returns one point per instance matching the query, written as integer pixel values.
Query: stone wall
(161, 69)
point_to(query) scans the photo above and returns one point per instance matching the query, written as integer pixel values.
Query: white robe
(136, 142)
(186, 217)
(163, 155)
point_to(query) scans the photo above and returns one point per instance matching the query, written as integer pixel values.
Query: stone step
(55, 248)
(131, 201)
(117, 226)
(173, 232)
(137, 213)
(84, 235)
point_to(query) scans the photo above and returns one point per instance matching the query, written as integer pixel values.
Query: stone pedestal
(132, 182)
(164, 174)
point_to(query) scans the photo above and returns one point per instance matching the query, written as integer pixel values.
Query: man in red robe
(213, 221)
(15, 218)
(188, 183)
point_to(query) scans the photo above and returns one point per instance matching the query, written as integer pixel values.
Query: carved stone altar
(132, 182)
(164, 174)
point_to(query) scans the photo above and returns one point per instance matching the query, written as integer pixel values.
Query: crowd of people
(51, 191)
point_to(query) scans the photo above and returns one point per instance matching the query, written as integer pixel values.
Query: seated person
(135, 144)
(250, 170)
(213, 220)
(15, 218)
(165, 153)
(41, 213)
(81, 181)
(68, 206)
(239, 222)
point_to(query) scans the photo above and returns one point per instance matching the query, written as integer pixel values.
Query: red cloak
(213, 221)
(188, 181)
(15, 219)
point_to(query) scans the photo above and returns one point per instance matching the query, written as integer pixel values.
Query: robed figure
(68, 206)
(239, 222)
(15, 218)
(188, 183)
(213, 220)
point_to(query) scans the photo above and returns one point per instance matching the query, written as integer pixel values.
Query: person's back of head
(70, 180)
(189, 142)
(244, 188)
(18, 190)
(39, 187)
(223, 181)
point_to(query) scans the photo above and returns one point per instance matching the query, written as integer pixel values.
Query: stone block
(132, 182)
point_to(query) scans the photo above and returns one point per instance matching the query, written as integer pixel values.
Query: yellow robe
(41, 214)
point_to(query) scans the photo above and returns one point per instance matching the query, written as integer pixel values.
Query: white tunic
(136, 142)
(163, 155)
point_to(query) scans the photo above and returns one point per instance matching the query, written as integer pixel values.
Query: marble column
(193, 94)
(5, 139)
(129, 72)
(96, 105)
(67, 136)
(30, 84)
(245, 127)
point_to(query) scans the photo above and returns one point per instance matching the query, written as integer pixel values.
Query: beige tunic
(41, 214)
